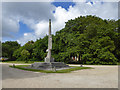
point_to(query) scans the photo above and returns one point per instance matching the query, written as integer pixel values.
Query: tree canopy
(8, 49)
(90, 38)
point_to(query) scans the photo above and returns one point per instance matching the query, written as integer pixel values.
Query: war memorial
(49, 63)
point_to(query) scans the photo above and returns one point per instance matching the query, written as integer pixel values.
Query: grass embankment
(50, 71)
(20, 62)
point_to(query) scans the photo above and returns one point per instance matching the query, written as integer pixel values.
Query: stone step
(44, 65)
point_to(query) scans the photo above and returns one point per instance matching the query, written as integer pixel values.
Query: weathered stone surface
(48, 66)
(49, 59)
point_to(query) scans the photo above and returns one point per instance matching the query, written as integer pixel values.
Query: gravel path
(99, 77)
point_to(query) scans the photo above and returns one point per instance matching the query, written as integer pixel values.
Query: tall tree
(8, 49)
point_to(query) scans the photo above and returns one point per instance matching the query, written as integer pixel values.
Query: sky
(25, 21)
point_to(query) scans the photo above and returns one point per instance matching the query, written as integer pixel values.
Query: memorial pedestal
(48, 65)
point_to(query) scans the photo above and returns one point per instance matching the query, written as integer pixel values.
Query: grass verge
(50, 71)
(20, 62)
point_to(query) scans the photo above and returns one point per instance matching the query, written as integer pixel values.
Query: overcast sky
(24, 21)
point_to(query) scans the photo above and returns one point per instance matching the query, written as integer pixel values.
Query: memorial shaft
(49, 27)
(49, 58)
(49, 40)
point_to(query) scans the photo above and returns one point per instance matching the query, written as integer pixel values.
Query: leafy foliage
(25, 54)
(8, 49)
(90, 38)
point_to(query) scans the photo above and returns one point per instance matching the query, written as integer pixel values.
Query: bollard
(54, 69)
(81, 65)
(32, 65)
(13, 65)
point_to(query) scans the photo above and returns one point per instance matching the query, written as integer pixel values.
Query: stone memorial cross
(49, 58)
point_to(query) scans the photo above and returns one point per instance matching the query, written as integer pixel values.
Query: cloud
(26, 37)
(29, 10)
(61, 16)
(41, 29)
(29, 13)
(36, 16)
(8, 26)
(106, 10)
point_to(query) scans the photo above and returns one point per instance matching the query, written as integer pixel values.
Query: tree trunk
(79, 58)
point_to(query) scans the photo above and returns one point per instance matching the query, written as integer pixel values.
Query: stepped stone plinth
(48, 65)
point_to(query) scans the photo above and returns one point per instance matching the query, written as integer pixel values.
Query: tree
(25, 54)
(29, 46)
(92, 39)
(40, 47)
(8, 49)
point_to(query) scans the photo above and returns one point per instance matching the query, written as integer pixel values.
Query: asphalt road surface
(99, 77)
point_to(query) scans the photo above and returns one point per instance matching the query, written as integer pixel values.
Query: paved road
(99, 77)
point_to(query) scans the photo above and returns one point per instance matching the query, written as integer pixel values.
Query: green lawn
(50, 71)
(20, 62)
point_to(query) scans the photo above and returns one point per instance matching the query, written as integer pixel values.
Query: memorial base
(49, 59)
(48, 65)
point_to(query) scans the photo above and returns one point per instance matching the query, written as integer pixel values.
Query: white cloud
(8, 26)
(26, 37)
(29, 13)
(41, 28)
(25, 34)
(62, 16)
(36, 16)
(97, 0)
(107, 10)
